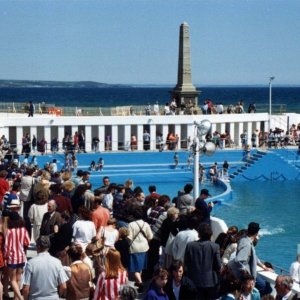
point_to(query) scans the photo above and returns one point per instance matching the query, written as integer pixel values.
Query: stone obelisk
(185, 91)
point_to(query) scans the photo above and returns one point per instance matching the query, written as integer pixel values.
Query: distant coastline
(6, 83)
(57, 84)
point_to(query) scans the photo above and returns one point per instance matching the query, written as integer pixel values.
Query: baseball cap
(205, 192)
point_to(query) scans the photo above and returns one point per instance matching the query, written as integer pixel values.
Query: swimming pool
(274, 205)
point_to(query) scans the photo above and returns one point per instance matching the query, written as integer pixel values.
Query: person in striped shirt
(16, 242)
(111, 280)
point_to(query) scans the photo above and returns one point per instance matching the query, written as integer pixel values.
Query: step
(262, 152)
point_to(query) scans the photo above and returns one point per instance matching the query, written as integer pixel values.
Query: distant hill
(55, 84)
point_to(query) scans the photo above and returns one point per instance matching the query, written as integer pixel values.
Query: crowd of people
(171, 108)
(209, 108)
(174, 107)
(91, 241)
(275, 138)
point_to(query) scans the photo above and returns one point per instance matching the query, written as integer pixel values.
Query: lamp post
(199, 145)
(270, 99)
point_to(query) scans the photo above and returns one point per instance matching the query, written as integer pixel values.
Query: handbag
(30, 197)
(169, 244)
(95, 247)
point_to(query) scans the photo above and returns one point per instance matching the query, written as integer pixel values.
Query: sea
(284, 99)
(275, 205)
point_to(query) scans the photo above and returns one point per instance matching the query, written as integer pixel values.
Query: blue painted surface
(129, 158)
(269, 166)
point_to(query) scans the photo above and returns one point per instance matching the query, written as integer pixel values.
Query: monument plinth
(185, 91)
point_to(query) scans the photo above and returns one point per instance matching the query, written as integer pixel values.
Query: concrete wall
(120, 128)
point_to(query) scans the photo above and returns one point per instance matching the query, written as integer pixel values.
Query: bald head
(51, 206)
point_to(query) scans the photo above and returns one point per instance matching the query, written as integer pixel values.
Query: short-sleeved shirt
(83, 232)
(43, 274)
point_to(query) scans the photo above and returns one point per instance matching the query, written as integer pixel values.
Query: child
(93, 165)
(100, 164)
(110, 233)
(75, 162)
(156, 289)
(189, 161)
(176, 159)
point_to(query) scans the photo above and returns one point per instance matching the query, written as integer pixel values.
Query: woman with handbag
(139, 233)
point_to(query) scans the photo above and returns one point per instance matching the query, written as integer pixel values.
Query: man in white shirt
(44, 276)
(220, 108)
(295, 269)
(173, 106)
(156, 108)
(184, 237)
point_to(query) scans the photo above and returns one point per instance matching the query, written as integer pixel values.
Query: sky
(233, 42)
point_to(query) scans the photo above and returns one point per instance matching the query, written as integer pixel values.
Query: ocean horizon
(285, 97)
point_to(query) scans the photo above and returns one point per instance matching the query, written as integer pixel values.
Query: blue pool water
(275, 205)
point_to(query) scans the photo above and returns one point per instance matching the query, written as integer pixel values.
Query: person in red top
(76, 141)
(153, 195)
(111, 280)
(63, 202)
(4, 185)
(16, 241)
(100, 215)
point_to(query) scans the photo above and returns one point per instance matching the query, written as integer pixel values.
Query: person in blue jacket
(156, 290)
